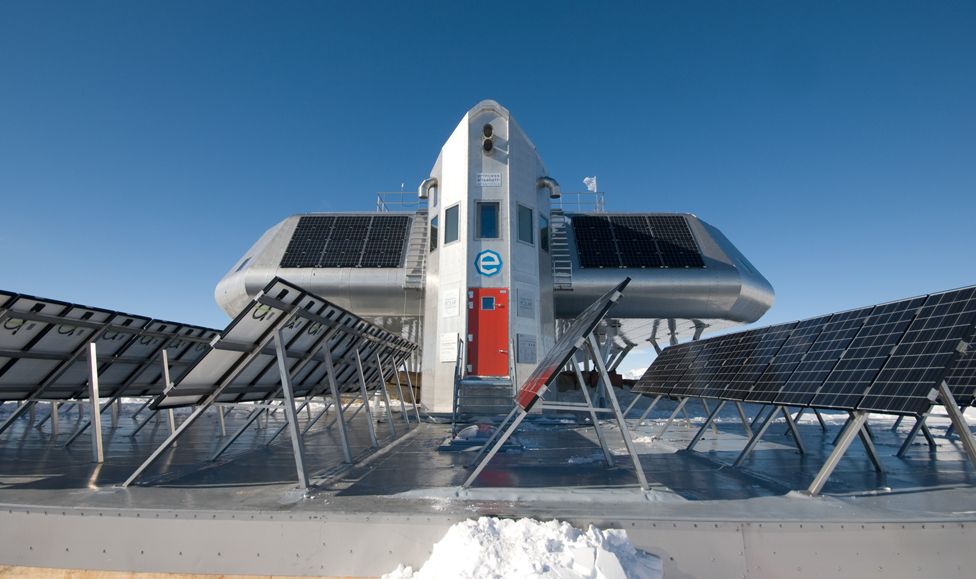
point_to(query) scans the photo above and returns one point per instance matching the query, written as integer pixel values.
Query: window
(488, 303)
(433, 233)
(544, 233)
(526, 228)
(451, 224)
(488, 220)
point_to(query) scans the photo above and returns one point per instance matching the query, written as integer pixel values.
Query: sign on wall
(489, 179)
(488, 263)
(451, 302)
(448, 347)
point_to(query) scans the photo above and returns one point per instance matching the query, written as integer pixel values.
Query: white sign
(488, 263)
(489, 179)
(448, 349)
(451, 303)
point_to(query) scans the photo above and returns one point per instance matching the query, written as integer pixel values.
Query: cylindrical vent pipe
(551, 184)
(425, 186)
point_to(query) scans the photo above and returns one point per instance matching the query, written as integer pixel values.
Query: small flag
(590, 183)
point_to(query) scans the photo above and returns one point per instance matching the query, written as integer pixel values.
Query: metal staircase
(416, 260)
(562, 265)
(483, 398)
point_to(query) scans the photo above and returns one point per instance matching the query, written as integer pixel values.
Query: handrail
(458, 374)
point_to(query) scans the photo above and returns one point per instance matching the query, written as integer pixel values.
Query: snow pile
(496, 548)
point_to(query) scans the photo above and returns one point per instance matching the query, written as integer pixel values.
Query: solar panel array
(567, 345)
(347, 241)
(43, 349)
(886, 358)
(635, 241)
(242, 365)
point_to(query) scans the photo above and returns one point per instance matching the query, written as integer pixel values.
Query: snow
(494, 548)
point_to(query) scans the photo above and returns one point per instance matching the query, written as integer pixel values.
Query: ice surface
(494, 548)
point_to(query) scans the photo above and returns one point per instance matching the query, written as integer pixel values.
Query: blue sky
(145, 145)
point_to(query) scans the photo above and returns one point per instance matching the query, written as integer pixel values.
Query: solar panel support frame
(98, 452)
(297, 442)
(369, 412)
(589, 346)
(854, 426)
(959, 422)
(238, 367)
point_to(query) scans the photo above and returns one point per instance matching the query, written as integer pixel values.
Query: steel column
(334, 390)
(607, 455)
(743, 418)
(704, 427)
(291, 415)
(369, 412)
(98, 454)
(958, 422)
(767, 421)
(843, 443)
(621, 423)
(667, 424)
(794, 430)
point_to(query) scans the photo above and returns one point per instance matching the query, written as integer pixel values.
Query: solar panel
(242, 366)
(347, 241)
(729, 359)
(907, 382)
(961, 378)
(565, 347)
(43, 349)
(635, 241)
(769, 342)
(667, 369)
(674, 239)
(820, 359)
(384, 242)
(866, 354)
(786, 360)
(697, 361)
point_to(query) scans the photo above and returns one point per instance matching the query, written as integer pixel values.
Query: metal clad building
(493, 257)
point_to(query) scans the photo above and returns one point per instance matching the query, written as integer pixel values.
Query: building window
(526, 228)
(451, 224)
(488, 220)
(433, 233)
(488, 303)
(544, 233)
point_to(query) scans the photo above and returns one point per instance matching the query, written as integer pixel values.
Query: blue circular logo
(488, 263)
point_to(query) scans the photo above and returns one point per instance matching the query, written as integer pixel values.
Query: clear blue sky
(145, 146)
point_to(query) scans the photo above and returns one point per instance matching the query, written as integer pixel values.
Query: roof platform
(245, 514)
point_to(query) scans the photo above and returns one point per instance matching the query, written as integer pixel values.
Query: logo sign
(489, 179)
(488, 263)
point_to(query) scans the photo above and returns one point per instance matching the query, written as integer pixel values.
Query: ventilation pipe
(551, 184)
(425, 186)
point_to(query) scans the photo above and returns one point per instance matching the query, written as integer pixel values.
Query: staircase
(562, 265)
(481, 398)
(416, 260)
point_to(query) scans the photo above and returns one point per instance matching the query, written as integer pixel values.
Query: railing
(458, 374)
(399, 201)
(582, 202)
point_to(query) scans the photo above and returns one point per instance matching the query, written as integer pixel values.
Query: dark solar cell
(667, 368)
(821, 357)
(347, 241)
(638, 241)
(866, 354)
(308, 242)
(786, 360)
(768, 342)
(695, 363)
(907, 382)
(384, 242)
(675, 241)
(736, 353)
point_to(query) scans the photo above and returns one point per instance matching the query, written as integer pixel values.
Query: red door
(488, 332)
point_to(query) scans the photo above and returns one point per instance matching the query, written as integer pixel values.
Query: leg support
(677, 409)
(704, 427)
(843, 443)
